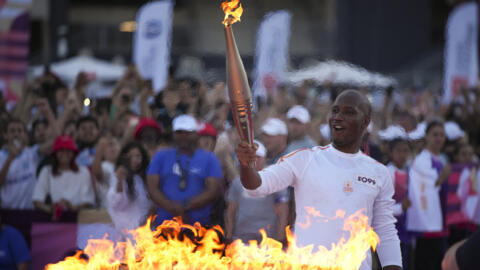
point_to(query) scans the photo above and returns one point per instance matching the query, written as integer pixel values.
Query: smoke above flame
(233, 10)
(174, 245)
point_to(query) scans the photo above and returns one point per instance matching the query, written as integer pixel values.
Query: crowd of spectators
(138, 152)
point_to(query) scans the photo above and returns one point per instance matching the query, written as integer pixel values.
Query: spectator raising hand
(103, 166)
(127, 201)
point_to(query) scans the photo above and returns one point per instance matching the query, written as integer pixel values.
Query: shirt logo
(366, 180)
(176, 169)
(195, 170)
(348, 187)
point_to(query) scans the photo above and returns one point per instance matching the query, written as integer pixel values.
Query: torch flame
(233, 10)
(174, 245)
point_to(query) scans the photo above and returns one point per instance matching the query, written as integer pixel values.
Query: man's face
(40, 133)
(274, 144)
(87, 132)
(296, 129)
(61, 95)
(185, 139)
(347, 121)
(16, 131)
(170, 99)
(149, 136)
(207, 142)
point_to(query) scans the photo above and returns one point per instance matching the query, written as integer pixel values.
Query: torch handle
(242, 116)
(238, 90)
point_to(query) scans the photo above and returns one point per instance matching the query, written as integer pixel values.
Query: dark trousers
(407, 256)
(429, 253)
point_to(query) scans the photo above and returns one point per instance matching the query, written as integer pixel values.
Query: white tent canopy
(69, 68)
(338, 72)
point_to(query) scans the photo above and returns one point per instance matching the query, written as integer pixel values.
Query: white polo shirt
(328, 180)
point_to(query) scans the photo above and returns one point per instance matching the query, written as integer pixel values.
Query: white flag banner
(151, 47)
(461, 59)
(271, 53)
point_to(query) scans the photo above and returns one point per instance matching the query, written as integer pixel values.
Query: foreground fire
(168, 248)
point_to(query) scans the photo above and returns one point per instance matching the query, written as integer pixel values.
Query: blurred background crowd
(62, 154)
(131, 152)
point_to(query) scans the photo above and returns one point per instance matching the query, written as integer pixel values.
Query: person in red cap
(63, 185)
(207, 137)
(148, 133)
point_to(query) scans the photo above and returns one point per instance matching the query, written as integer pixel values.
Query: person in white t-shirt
(18, 162)
(128, 202)
(68, 185)
(334, 177)
(427, 175)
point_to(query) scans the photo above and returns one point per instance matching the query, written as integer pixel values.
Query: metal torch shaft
(238, 90)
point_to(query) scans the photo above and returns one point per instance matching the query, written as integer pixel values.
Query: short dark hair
(87, 118)
(433, 123)
(396, 141)
(15, 120)
(37, 122)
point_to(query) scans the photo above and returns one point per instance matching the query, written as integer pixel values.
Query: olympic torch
(238, 88)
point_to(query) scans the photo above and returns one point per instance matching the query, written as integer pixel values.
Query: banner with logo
(14, 46)
(151, 47)
(271, 55)
(461, 59)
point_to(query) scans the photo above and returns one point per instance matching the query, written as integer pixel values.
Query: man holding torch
(337, 176)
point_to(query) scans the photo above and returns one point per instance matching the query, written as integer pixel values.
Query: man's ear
(366, 122)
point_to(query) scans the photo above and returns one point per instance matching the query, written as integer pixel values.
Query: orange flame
(233, 10)
(168, 248)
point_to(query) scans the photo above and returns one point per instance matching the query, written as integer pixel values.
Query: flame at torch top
(233, 10)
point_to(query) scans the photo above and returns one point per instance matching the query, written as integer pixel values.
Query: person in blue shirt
(14, 254)
(184, 180)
